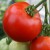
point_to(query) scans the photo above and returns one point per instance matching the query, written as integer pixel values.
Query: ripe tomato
(41, 43)
(19, 25)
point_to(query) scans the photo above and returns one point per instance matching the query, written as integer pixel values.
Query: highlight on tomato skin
(20, 26)
(41, 43)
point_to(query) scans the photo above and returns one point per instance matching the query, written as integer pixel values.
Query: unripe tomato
(41, 43)
(19, 25)
(3, 44)
(13, 45)
(19, 46)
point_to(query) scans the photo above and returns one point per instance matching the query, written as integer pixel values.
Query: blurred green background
(3, 6)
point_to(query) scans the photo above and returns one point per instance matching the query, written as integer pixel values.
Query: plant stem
(46, 20)
(46, 13)
(8, 40)
(30, 9)
(45, 25)
(40, 3)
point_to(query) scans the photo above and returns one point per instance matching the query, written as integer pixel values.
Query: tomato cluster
(22, 27)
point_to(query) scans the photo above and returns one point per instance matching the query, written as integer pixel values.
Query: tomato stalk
(46, 13)
(30, 9)
(8, 40)
(46, 26)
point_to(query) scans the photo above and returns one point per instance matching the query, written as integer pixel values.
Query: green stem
(39, 4)
(30, 9)
(46, 26)
(46, 13)
(8, 40)
(46, 20)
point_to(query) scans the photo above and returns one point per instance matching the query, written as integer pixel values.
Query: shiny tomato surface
(19, 25)
(41, 43)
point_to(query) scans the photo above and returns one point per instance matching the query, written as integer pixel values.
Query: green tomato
(19, 46)
(19, 0)
(3, 45)
(13, 45)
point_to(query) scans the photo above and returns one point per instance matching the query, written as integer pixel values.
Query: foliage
(3, 6)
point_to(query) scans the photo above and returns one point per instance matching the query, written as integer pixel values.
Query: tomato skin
(19, 25)
(41, 43)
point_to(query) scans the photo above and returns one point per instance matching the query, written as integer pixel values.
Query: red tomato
(41, 43)
(19, 25)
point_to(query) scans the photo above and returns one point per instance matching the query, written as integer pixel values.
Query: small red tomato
(19, 25)
(41, 43)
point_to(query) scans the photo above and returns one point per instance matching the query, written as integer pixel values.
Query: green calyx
(31, 9)
(8, 40)
(45, 30)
